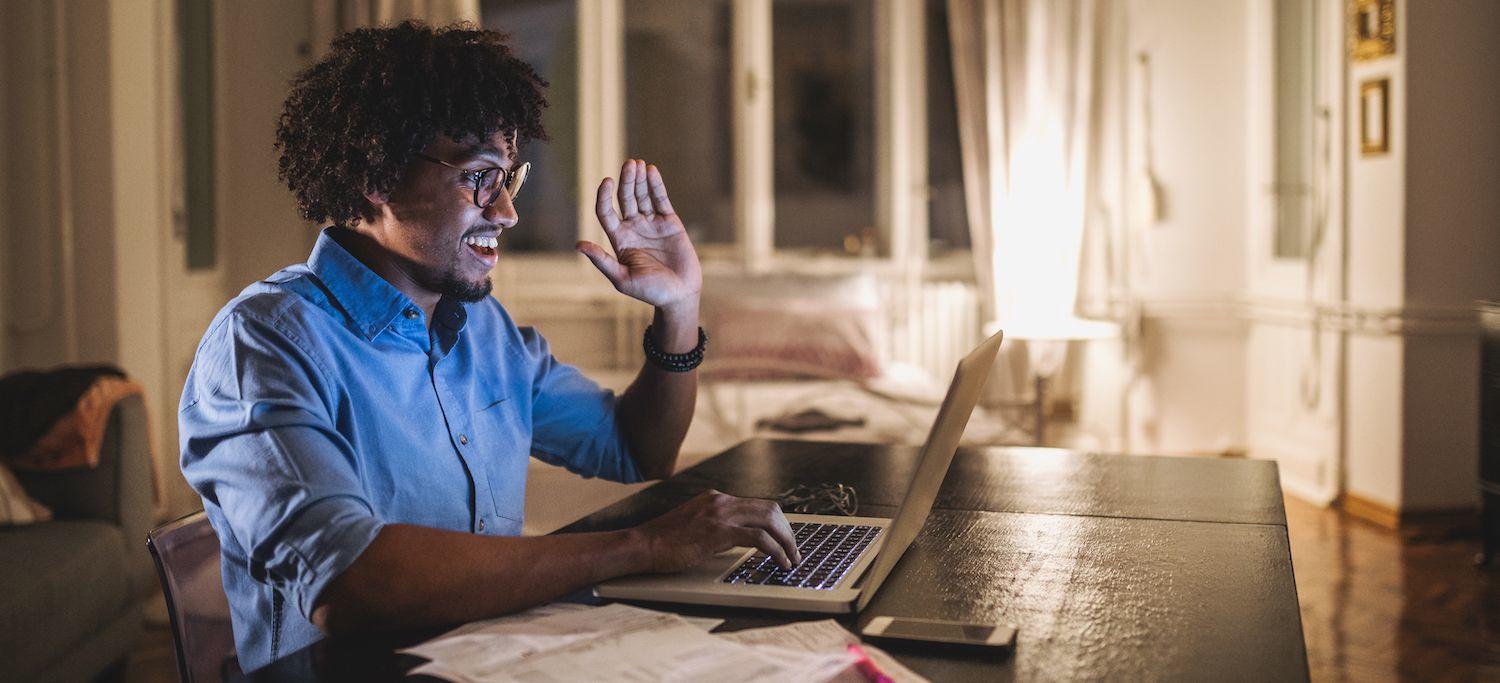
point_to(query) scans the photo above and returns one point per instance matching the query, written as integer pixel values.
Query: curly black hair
(355, 118)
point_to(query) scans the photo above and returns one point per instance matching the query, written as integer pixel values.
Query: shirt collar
(369, 301)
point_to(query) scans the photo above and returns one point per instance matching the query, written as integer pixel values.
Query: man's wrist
(675, 326)
(638, 551)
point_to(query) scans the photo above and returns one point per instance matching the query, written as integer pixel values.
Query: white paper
(616, 642)
(704, 623)
(669, 649)
(497, 642)
(822, 636)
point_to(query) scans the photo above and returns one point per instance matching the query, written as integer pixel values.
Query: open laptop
(844, 559)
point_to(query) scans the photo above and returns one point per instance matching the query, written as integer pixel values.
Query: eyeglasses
(822, 499)
(488, 182)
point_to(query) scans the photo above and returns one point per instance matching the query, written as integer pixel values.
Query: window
(823, 77)
(784, 128)
(544, 34)
(677, 107)
(1296, 86)
(947, 215)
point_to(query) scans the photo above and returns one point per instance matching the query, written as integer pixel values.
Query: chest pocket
(505, 451)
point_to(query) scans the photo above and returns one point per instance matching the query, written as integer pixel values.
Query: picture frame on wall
(1372, 29)
(1374, 117)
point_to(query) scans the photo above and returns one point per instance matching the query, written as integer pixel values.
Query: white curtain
(1035, 87)
(331, 18)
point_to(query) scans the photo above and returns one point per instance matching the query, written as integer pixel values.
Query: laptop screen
(937, 454)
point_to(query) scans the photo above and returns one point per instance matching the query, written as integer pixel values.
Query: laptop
(844, 559)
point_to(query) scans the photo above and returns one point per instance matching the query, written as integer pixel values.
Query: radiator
(932, 325)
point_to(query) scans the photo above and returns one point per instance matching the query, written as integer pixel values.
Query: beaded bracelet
(674, 362)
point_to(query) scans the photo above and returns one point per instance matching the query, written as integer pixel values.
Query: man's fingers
(763, 542)
(658, 191)
(767, 515)
(642, 199)
(606, 264)
(604, 208)
(628, 207)
(784, 534)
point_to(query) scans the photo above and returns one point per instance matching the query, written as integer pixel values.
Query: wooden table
(1112, 567)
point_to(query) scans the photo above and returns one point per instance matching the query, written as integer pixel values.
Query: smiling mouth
(483, 245)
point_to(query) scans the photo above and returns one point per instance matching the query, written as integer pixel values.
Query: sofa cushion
(64, 580)
(17, 508)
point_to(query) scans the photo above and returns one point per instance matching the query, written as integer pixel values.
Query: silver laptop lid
(932, 465)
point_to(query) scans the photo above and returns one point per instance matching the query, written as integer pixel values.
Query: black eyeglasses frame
(477, 176)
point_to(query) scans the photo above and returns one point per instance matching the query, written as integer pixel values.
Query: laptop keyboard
(828, 552)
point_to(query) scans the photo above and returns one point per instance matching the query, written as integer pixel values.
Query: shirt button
(481, 524)
(410, 313)
(463, 439)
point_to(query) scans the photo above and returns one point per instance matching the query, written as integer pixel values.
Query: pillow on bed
(791, 327)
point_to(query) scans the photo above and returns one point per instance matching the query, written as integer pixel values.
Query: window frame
(901, 181)
(1311, 277)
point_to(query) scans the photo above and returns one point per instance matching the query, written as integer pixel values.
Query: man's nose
(502, 212)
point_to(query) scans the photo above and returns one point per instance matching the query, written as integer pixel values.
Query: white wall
(1453, 161)
(89, 160)
(1190, 269)
(1452, 237)
(1386, 386)
(1424, 245)
(43, 131)
(141, 215)
(1376, 273)
(80, 146)
(1294, 395)
(84, 158)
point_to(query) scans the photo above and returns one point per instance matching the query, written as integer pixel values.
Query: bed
(799, 357)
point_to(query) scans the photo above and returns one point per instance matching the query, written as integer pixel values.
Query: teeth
(490, 242)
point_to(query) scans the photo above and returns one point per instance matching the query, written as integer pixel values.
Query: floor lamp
(1046, 348)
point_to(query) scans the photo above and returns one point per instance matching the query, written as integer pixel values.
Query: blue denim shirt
(320, 407)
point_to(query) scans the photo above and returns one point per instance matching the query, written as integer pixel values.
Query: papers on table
(822, 636)
(565, 642)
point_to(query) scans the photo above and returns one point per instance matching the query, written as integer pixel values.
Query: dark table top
(1113, 567)
(1033, 480)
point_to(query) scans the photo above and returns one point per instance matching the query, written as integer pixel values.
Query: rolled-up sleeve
(573, 419)
(258, 441)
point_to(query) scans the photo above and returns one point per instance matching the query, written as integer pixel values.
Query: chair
(186, 552)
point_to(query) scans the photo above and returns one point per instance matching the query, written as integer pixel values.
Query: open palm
(653, 261)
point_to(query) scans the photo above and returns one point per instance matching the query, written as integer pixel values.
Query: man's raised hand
(653, 260)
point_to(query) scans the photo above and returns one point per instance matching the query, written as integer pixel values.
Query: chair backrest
(186, 551)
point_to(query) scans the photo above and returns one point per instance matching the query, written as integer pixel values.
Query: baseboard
(1320, 496)
(1413, 525)
(1379, 514)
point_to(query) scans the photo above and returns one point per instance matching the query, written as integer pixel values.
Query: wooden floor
(1373, 609)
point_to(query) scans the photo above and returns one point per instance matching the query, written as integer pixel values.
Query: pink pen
(867, 668)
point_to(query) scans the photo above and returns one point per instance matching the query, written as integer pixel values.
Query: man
(359, 425)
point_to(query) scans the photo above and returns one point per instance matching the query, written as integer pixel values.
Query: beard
(465, 290)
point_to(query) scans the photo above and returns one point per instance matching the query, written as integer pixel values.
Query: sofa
(73, 587)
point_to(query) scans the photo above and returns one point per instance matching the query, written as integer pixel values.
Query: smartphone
(945, 634)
